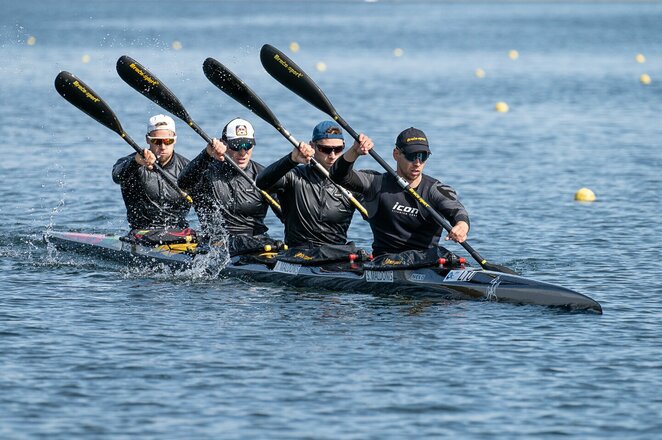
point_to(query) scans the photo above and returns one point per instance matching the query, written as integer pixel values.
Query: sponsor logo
(148, 79)
(392, 262)
(402, 209)
(374, 276)
(303, 256)
(415, 139)
(241, 130)
(292, 70)
(85, 92)
(289, 268)
(460, 275)
(490, 294)
(417, 276)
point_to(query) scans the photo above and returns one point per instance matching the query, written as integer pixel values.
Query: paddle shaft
(81, 96)
(286, 72)
(143, 81)
(228, 82)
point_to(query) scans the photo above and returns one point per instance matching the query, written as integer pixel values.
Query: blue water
(92, 349)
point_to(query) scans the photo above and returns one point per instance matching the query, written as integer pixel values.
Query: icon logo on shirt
(407, 210)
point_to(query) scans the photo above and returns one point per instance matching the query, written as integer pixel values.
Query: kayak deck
(464, 283)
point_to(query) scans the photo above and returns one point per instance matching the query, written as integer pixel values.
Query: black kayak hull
(473, 284)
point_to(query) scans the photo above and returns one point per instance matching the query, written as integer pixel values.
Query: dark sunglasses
(159, 141)
(245, 146)
(329, 150)
(420, 155)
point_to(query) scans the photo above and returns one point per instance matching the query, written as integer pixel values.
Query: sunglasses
(160, 140)
(329, 150)
(420, 155)
(245, 146)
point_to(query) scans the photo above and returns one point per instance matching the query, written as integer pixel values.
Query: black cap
(412, 140)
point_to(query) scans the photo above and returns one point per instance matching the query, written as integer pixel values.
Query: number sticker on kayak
(378, 276)
(282, 267)
(460, 275)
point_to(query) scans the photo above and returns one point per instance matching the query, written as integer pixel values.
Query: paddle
(142, 80)
(83, 97)
(228, 82)
(286, 72)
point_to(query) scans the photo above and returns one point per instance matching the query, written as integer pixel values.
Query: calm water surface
(91, 349)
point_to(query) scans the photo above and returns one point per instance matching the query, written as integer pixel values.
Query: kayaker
(397, 221)
(150, 202)
(314, 210)
(221, 196)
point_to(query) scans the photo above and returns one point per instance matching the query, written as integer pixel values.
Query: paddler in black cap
(398, 223)
(314, 210)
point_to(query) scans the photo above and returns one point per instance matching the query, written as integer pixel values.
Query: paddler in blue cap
(314, 210)
(397, 221)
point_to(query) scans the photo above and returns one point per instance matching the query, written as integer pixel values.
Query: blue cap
(327, 130)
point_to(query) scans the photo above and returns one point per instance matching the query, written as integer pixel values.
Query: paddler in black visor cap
(398, 223)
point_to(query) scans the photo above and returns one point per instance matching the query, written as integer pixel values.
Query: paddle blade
(85, 99)
(286, 72)
(142, 80)
(228, 82)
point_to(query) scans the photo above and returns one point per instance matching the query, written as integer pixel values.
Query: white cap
(239, 131)
(160, 122)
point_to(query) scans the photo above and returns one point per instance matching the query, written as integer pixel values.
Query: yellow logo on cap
(416, 139)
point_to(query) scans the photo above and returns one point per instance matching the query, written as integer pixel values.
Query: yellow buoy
(645, 79)
(398, 52)
(640, 58)
(294, 46)
(85, 58)
(177, 45)
(513, 54)
(501, 107)
(320, 66)
(584, 195)
(480, 73)
(31, 40)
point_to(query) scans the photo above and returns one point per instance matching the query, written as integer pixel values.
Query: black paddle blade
(85, 99)
(286, 72)
(228, 82)
(142, 80)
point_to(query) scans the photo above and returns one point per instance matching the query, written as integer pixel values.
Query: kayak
(454, 283)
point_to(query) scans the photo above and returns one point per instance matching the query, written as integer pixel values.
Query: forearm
(123, 168)
(271, 178)
(342, 172)
(192, 173)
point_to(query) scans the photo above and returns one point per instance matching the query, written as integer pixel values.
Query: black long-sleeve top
(150, 201)
(221, 196)
(397, 221)
(314, 210)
